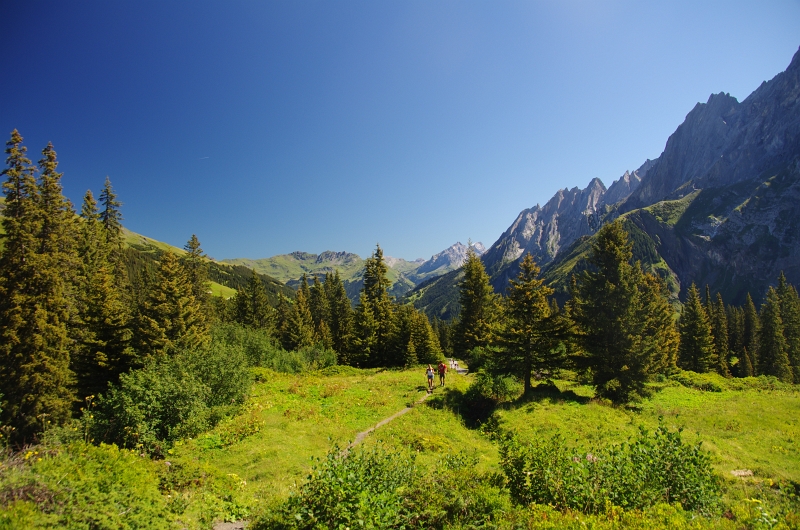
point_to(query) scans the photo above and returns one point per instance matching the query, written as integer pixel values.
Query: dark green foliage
(196, 264)
(650, 469)
(35, 300)
(479, 316)
(378, 302)
(773, 351)
(697, 343)
(251, 306)
(790, 314)
(414, 341)
(171, 398)
(299, 328)
(621, 318)
(110, 215)
(340, 313)
(719, 329)
(750, 333)
(171, 317)
(532, 332)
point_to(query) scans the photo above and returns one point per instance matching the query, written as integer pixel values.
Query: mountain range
(404, 275)
(720, 206)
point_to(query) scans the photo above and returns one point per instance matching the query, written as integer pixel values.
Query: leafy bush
(80, 486)
(708, 382)
(258, 345)
(648, 470)
(224, 369)
(359, 489)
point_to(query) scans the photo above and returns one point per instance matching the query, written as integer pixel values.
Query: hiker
(442, 372)
(429, 373)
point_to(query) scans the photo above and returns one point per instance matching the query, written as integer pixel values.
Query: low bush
(650, 469)
(708, 382)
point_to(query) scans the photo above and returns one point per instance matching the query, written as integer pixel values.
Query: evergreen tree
(379, 330)
(735, 322)
(110, 215)
(477, 321)
(660, 339)
(104, 333)
(300, 330)
(696, 351)
(790, 314)
(171, 318)
(751, 332)
(617, 335)
(773, 354)
(194, 261)
(341, 316)
(414, 341)
(320, 313)
(365, 331)
(35, 375)
(251, 306)
(745, 364)
(719, 330)
(532, 332)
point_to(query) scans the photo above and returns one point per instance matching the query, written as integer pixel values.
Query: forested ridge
(113, 348)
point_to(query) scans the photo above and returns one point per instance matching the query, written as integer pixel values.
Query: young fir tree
(365, 331)
(376, 331)
(751, 332)
(320, 313)
(414, 341)
(735, 324)
(341, 316)
(35, 377)
(532, 332)
(104, 333)
(613, 328)
(719, 330)
(696, 351)
(477, 320)
(196, 265)
(660, 337)
(171, 318)
(300, 327)
(773, 355)
(251, 306)
(790, 313)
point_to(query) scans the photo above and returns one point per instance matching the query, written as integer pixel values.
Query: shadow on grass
(476, 410)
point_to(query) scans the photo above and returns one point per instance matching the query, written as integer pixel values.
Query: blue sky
(269, 127)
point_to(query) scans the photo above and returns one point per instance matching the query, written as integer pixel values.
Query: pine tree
(251, 305)
(172, 318)
(194, 261)
(531, 335)
(751, 332)
(104, 333)
(790, 314)
(735, 322)
(696, 351)
(341, 316)
(300, 331)
(35, 378)
(414, 341)
(365, 331)
(613, 327)
(719, 330)
(320, 313)
(773, 354)
(660, 338)
(379, 330)
(745, 364)
(110, 215)
(477, 321)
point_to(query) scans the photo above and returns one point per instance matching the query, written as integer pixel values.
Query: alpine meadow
(623, 356)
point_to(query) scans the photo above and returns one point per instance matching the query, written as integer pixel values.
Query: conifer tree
(790, 314)
(696, 351)
(751, 331)
(745, 364)
(773, 354)
(104, 333)
(300, 327)
(283, 312)
(110, 215)
(171, 318)
(35, 375)
(251, 305)
(660, 339)
(532, 332)
(735, 324)
(719, 330)
(477, 322)
(320, 313)
(376, 331)
(194, 261)
(365, 331)
(414, 341)
(341, 316)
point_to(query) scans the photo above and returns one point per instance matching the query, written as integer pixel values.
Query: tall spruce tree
(735, 322)
(35, 375)
(365, 331)
(104, 332)
(377, 330)
(752, 325)
(790, 314)
(773, 355)
(300, 330)
(532, 332)
(251, 305)
(341, 316)
(613, 329)
(477, 321)
(697, 351)
(171, 318)
(660, 339)
(196, 265)
(719, 328)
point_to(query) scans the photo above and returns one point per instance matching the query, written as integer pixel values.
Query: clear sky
(268, 127)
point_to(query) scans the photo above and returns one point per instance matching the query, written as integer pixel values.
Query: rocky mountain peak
(451, 258)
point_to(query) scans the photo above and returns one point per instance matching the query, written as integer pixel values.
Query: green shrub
(648, 470)
(80, 486)
(257, 345)
(708, 382)
(224, 369)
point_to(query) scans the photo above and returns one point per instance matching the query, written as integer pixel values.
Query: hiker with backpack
(442, 372)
